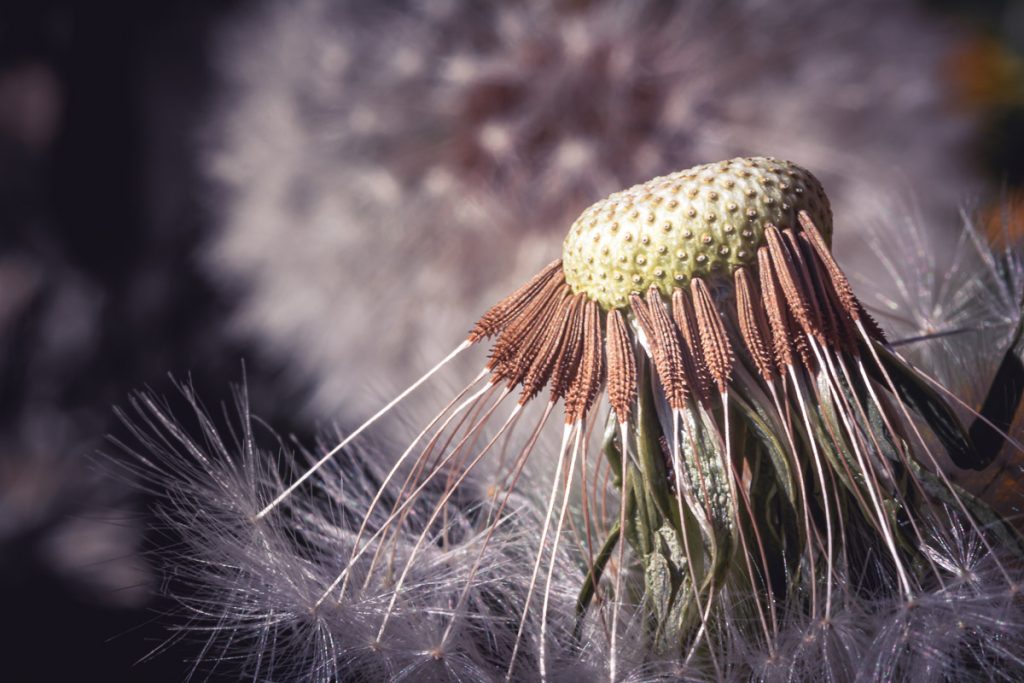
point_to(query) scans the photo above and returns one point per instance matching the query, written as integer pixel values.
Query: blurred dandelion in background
(441, 147)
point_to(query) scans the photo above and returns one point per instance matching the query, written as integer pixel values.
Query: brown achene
(548, 337)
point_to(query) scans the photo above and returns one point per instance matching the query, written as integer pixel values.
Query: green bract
(706, 221)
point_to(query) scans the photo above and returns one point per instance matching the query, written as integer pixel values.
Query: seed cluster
(704, 222)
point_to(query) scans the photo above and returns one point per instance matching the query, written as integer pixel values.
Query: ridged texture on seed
(686, 320)
(778, 318)
(513, 353)
(586, 385)
(571, 351)
(664, 344)
(502, 313)
(820, 322)
(706, 222)
(621, 367)
(714, 340)
(788, 276)
(754, 325)
(552, 339)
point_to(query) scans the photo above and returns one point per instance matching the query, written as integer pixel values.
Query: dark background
(99, 193)
(105, 199)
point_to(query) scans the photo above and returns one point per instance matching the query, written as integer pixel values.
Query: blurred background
(319, 197)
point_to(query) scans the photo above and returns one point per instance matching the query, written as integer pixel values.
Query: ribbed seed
(523, 326)
(686, 320)
(570, 351)
(664, 344)
(497, 318)
(850, 303)
(784, 270)
(779, 321)
(754, 325)
(586, 385)
(519, 358)
(713, 338)
(820, 321)
(543, 360)
(622, 385)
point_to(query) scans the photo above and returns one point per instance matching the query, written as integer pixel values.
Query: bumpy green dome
(705, 222)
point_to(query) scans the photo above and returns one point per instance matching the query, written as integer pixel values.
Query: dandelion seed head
(467, 605)
(593, 250)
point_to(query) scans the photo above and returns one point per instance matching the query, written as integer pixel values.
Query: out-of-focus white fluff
(385, 171)
(252, 588)
(949, 298)
(952, 302)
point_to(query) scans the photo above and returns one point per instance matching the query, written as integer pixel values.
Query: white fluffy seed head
(330, 182)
